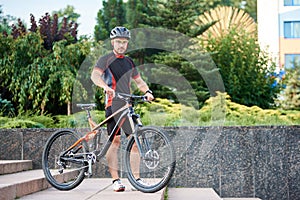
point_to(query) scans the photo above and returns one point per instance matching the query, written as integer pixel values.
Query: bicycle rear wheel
(153, 171)
(64, 168)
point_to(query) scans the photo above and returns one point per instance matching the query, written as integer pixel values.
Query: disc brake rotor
(151, 159)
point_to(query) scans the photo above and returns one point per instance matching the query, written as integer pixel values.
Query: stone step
(17, 180)
(199, 194)
(192, 193)
(95, 189)
(241, 199)
(23, 183)
(13, 166)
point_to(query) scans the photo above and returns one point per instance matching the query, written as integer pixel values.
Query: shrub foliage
(219, 110)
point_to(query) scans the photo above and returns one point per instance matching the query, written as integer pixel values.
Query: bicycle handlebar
(129, 98)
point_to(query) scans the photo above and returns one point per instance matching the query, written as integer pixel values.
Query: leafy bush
(163, 112)
(6, 107)
(243, 69)
(290, 99)
(77, 120)
(237, 114)
(219, 110)
(27, 120)
(3, 120)
(47, 121)
(21, 123)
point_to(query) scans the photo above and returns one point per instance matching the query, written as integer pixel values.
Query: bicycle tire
(63, 175)
(157, 167)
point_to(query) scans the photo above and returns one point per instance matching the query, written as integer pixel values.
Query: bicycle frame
(126, 111)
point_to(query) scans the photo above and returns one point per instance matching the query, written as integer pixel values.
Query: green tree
(175, 69)
(112, 14)
(244, 70)
(65, 63)
(40, 65)
(179, 15)
(18, 65)
(41, 80)
(140, 13)
(291, 94)
(5, 20)
(249, 6)
(68, 13)
(6, 49)
(232, 42)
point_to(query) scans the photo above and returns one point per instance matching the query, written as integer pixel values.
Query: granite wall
(260, 161)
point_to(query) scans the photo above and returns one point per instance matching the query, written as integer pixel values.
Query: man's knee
(134, 148)
(117, 141)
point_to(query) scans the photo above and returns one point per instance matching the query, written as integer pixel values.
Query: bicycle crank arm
(91, 160)
(74, 160)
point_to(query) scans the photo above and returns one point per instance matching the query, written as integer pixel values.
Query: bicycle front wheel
(151, 171)
(64, 166)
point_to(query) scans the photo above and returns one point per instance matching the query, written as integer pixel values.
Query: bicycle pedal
(87, 174)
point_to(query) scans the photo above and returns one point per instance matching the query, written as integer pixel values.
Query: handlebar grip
(144, 99)
(131, 97)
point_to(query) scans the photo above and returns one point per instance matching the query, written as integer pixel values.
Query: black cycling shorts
(112, 122)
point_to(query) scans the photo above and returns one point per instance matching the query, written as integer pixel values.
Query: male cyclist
(113, 72)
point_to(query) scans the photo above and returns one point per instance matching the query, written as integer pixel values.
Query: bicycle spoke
(65, 170)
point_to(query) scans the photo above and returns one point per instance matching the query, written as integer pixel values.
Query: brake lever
(144, 99)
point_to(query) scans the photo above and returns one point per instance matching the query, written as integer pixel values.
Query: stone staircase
(19, 181)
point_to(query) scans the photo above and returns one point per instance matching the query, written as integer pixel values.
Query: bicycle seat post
(88, 108)
(88, 113)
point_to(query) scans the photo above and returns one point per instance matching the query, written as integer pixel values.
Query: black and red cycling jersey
(117, 73)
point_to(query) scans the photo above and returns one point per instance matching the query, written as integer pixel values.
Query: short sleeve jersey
(117, 73)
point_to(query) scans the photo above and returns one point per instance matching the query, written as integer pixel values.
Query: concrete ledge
(192, 193)
(30, 187)
(13, 166)
(8, 191)
(241, 199)
(23, 183)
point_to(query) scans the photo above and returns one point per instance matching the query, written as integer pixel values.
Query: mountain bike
(68, 157)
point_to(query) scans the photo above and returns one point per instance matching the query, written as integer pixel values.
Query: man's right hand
(110, 92)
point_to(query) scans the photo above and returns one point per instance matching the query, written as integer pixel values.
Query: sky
(23, 8)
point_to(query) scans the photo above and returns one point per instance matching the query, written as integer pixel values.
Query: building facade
(279, 30)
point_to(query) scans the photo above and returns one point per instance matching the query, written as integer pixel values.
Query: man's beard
(121, 50)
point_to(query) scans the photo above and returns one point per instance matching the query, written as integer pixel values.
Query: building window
(292, 29)
(291, 60)
(291, 2)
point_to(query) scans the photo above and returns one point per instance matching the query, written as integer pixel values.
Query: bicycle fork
(149, 156)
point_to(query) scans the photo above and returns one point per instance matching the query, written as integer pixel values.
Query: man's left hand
(149, 96)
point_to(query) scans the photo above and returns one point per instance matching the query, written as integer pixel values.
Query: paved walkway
(101, 189)
(95, 189)
(192, 194)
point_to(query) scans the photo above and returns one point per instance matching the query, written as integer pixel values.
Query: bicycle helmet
(120, 32)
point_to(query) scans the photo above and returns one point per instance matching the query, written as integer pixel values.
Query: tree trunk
(69, 108)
